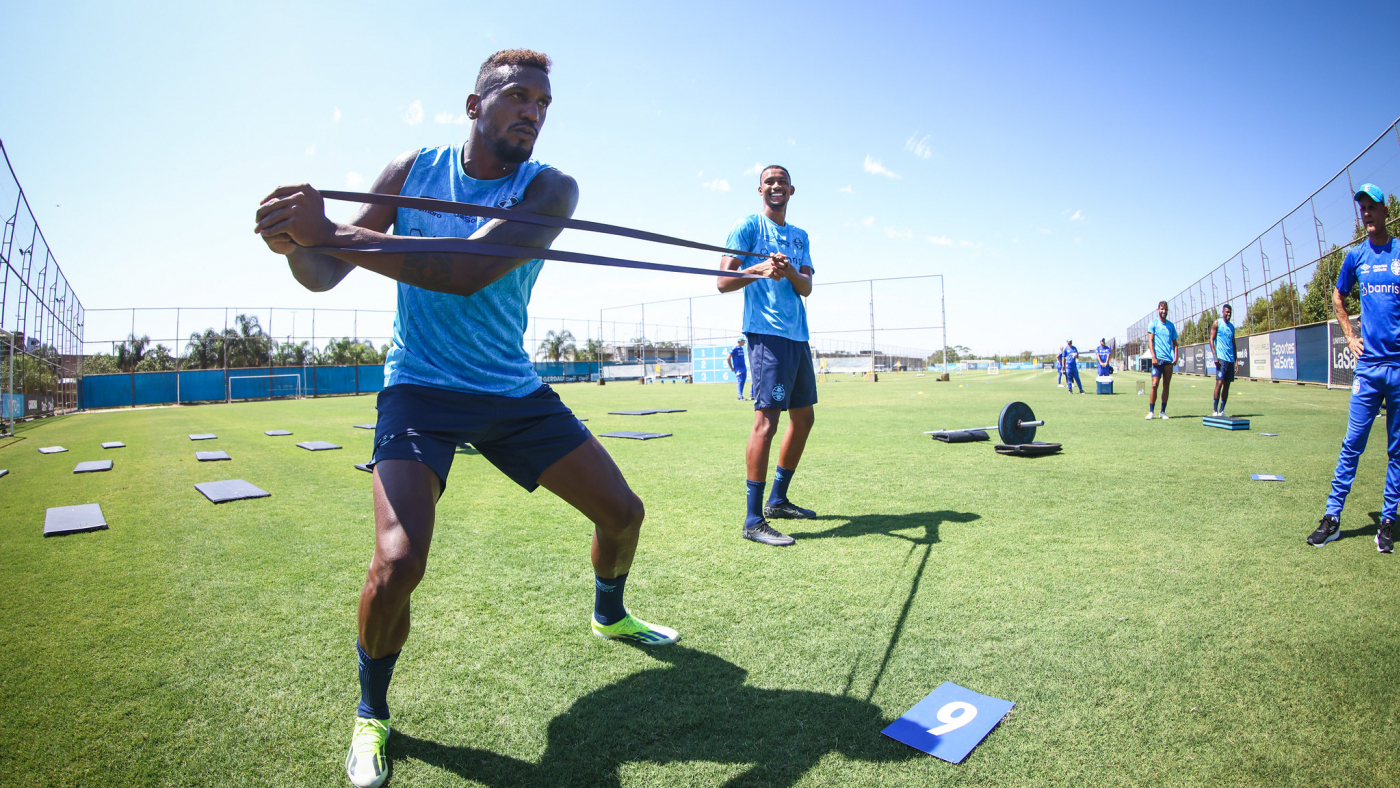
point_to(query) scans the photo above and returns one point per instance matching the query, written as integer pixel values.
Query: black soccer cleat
(1384, 543)
(787, 510)
(763, 533)
(1328, 529)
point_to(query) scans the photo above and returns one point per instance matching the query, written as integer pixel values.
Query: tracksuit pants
(1072, 377)
(1371, 387)
(742, 375)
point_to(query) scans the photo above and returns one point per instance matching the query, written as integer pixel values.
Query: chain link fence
(1285, 276)
(41, 318)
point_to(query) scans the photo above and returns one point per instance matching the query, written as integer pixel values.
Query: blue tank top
(465, 343)
(1224, 340)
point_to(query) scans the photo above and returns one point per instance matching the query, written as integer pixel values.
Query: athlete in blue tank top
(1162, 337)
(1222, 338)
(775, 321)
(1373, 268)
(458, 371)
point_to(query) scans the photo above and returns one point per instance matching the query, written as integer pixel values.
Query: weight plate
(1009, 425)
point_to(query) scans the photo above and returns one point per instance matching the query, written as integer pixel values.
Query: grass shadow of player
(695, 707)
(1365, 530)
(891, 525)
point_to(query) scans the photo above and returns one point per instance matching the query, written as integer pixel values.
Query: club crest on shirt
(799, 244)
(508, 202)
(1395, 266)
(779, 393)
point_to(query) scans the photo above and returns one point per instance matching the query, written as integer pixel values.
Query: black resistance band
(468, 246)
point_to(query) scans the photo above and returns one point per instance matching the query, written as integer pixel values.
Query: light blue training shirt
(1224, 341)
(772, 307)
(1376, 269)
(1163, 335)
(469, 343)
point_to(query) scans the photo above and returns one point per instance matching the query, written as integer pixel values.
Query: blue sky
(1064, 166)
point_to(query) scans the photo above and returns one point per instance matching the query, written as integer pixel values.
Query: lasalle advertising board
(1341, 363)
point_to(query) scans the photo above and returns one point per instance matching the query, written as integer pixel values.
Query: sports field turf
(1155, 615)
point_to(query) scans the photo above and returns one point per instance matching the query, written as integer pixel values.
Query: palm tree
(205, 351)
(556, 346)
(130, 352)
(157, 359)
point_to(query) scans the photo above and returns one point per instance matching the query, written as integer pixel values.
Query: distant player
(1164, 351)
(775, 322)
(738, 365)
(1222, 338)
(1072, 367)
(458, 372)
(1059, 368)
(1375, 266)
(1104, 354)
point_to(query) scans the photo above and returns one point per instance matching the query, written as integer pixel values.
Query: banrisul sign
(1341, 363)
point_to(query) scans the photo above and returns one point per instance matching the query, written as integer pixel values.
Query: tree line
(245, 344)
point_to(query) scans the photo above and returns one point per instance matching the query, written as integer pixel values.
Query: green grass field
(1155, 615)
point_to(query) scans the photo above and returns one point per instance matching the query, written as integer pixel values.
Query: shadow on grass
(697, 707)
(1365, 530)
(890, 525)
(467, 449)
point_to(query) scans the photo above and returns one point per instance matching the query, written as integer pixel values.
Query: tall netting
(41, 318)
(1284, 277)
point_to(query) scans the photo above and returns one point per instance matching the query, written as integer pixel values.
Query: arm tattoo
(429, 270)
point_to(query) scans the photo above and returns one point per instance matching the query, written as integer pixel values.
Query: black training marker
(114, 445)
(275, 433)
(93, 466)
(231, 490)
(318, 445)
(74, 519)
(203, 436)
(211, 456)
(52, 450)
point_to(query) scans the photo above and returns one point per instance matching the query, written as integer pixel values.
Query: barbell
(1016, 424)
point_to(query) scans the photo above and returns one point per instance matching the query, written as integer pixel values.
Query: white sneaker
(1164, 416)
(1150, 416)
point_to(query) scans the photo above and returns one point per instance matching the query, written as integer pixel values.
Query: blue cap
(1370, 190)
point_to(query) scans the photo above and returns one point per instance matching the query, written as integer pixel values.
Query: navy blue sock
(1151, 407)
(1216, 404)
(755, 503)
(781, 477)
(607, 599)
(374, 683)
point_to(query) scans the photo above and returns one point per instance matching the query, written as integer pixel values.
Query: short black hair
(774, 167)
(488, 78)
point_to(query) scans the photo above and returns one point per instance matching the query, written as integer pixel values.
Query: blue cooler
(1103, 384)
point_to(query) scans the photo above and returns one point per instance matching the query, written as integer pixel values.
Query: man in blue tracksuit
(738, 365)
(1374, 267)
(1072, 367)
(1104, 353)
(1222, 338)
(1059, 368)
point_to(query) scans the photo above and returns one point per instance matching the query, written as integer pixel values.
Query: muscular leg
(765, 426)
(1152, 396)
(799, 426)
(405, 501)
(588, 480)
(1166, 385)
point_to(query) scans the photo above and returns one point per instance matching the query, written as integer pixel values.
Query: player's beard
(509, 152)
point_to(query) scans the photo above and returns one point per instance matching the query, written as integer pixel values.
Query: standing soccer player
(1222, 338)
(1104, 354)
(1059, 368)
(738, 365)
(1375, 266)
(775, 322)
(1072, 367)
(458, 371)
(1164, 352)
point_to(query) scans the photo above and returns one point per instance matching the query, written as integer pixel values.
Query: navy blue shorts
(1226, 371)
(782, 373)
(522, 436)
(1158, 366)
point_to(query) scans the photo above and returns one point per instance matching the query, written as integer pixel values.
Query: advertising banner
(1241, 357)
(1283, 354)
(1259, 357)
(1312, 353)
(1342, 364)
(1198, 359)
